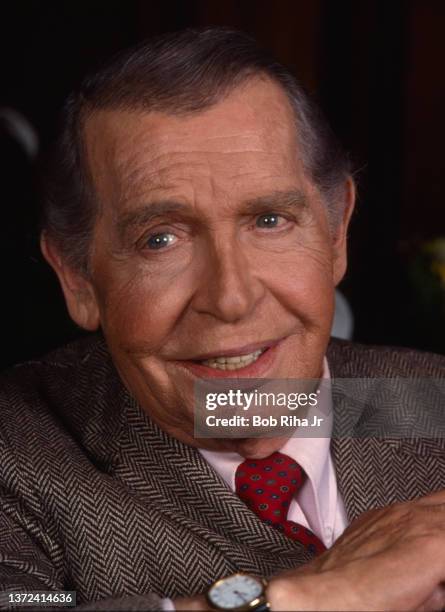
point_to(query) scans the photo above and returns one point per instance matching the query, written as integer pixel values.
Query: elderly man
(197, 216)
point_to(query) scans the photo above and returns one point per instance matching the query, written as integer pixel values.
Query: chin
(257, 448)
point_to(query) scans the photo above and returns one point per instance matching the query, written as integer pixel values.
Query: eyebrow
(147, 213)
(294, 199)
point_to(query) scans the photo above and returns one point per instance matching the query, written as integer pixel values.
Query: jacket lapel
(373, 473)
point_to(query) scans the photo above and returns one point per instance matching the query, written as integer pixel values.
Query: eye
(269, 220)
(159, 241)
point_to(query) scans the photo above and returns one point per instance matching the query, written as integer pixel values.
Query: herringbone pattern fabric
(97, 499)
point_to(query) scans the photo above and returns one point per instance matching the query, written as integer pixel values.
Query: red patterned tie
(267, 487)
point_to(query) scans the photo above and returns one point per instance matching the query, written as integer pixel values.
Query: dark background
(378, 71)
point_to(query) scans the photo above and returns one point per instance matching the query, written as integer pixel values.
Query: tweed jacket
(95, 498)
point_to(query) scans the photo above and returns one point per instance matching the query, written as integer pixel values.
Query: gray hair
(177, 73)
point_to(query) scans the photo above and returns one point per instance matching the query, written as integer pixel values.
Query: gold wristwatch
(239, 593)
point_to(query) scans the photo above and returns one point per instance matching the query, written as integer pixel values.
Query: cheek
(301, 277)
(139, 307)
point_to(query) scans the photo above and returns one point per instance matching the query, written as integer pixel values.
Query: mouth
(233, 363)
(250, 361)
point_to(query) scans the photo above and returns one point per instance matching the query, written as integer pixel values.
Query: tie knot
(268, 485)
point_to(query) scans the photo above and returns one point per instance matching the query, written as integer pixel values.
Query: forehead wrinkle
(254, 141)
(165, 148)
(142, 182)
(132, 167)
(168, 169)
(154, 159)
(155, 147)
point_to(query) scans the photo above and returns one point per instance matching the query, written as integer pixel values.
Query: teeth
(232, 363)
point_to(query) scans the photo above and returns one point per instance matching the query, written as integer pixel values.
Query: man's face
(211, 242)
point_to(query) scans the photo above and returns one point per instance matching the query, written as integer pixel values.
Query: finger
(438, 497)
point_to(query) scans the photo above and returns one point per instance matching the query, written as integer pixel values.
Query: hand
(388, 559)
(198, 602)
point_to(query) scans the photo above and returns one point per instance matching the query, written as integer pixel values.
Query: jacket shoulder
(353, 360)
(51, 372)
(58, 399)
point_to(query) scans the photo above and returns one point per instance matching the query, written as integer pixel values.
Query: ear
(79, 294)
(340, 231)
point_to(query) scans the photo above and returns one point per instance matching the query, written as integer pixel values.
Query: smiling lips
(253, 360)
(232, 363)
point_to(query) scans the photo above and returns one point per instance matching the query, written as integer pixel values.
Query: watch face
(235, 591)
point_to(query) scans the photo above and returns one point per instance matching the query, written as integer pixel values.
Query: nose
(228, 288)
